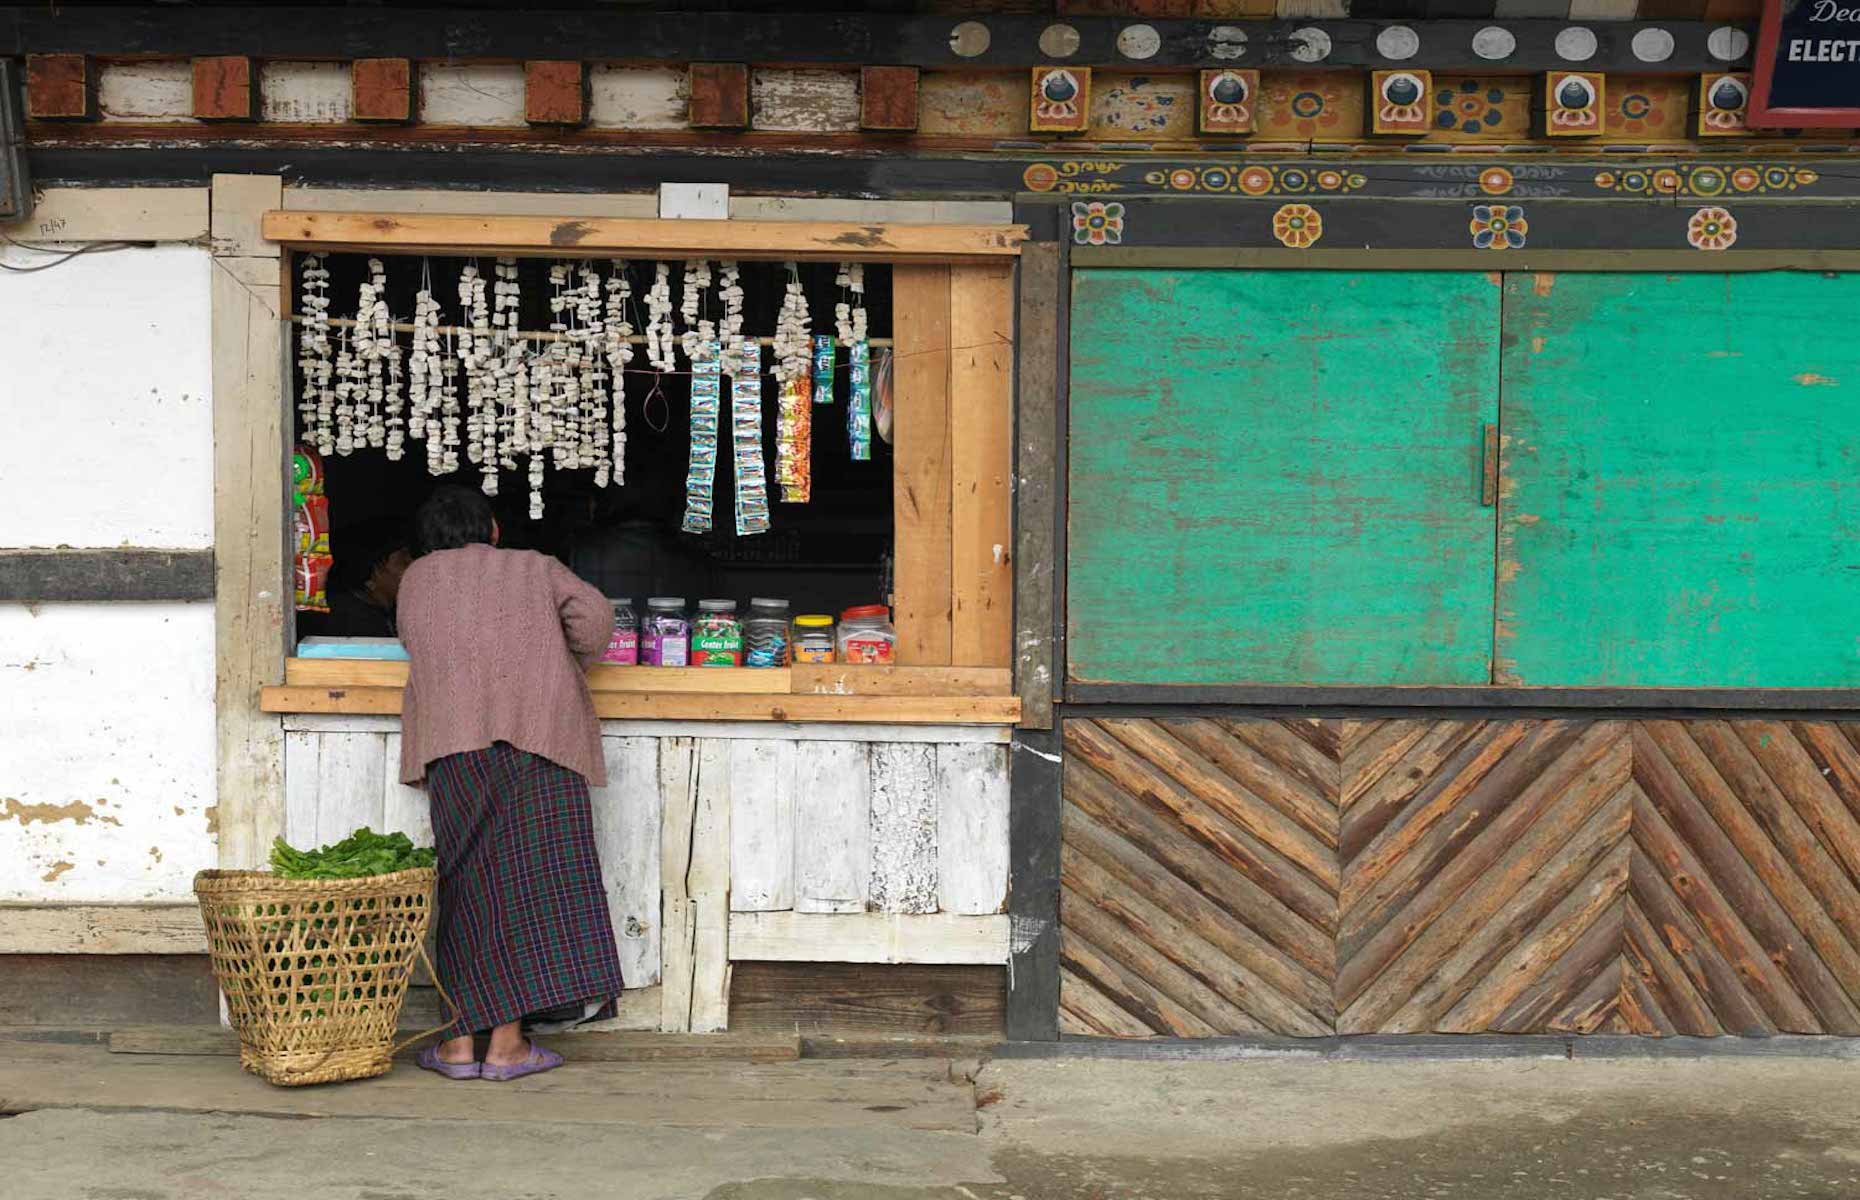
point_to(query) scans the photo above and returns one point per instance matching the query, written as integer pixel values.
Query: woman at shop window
(498, 723)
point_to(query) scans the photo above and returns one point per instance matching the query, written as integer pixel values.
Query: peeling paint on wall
(305, 93)
(77, 812)
(809, 101)
(146, 92)
(972, 104)
(484, 95)
(58, 868)
(1142, 107)
(643, 98)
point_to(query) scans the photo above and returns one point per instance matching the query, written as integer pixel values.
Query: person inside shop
(363, 591)
(498, 723)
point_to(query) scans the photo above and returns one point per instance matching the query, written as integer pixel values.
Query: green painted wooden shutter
(1682, 481)
(1275, 477)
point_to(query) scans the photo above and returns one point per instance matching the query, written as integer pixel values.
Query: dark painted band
(982, 40)
(35, 576)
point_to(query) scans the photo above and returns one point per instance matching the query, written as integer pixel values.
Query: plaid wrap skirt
(523, 920)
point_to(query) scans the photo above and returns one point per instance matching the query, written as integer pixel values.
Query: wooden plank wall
(812, 846)
(1303, 877)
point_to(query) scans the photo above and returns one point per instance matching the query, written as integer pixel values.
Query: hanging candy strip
(794, 442)
(706, 409)
(859, 410)
(752, 485)
(823, 368)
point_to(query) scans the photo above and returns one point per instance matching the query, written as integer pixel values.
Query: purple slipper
(429, 1060)
(539, 1060)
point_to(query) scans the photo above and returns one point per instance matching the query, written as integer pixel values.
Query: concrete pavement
(1056, 1129)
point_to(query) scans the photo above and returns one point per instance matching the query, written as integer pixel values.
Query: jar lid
(865, 612)
(814, 620)
(666, 602)
(766, 602)
(717, 606)
(617, 601)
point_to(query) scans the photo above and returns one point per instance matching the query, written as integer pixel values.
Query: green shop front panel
(1681, 487)
(1275, 477)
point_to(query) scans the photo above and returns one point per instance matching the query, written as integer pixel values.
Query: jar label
(868, 650)
(667, 650)
(622, 648)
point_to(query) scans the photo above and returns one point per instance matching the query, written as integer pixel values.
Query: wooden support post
(1036, 482)
(921, 474)
(719, 96)
(709, 885)
(555, 92)
(981, 408)
(250, 485)
(1033, 891)
(381, 89)
(60, 87)
(225, 88)
(888, 99)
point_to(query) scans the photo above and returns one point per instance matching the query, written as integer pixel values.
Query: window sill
(901, 695)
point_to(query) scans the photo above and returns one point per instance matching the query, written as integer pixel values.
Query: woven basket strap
(457, 1013)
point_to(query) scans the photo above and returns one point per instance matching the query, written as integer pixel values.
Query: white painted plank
(304, 93)
(972, 828)
(677, 775)
(300, 791)
(904, 828)
(163, 928)
(160, 91)
(832, 834)
(348, 784)
(404, 809)
(481, 95)
(709, 883)
(868, 938)
(339, 723)
(761, 824)
(627, 816)
(637, 97)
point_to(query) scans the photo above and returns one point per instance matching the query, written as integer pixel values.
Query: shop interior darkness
(821, 556)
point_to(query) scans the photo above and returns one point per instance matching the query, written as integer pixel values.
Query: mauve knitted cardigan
(498, 640)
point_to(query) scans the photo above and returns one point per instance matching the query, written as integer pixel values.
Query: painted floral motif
(1711, 229)
(1304, 105)
(1096, 223)
(1499, 226)
(1469, 107)
(1256, 179)
(1705, 180)
(1495, 181)
(1297, 225)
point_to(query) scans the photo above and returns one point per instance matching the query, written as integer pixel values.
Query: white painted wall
(107, 397)
(106, 750)
(106, 710)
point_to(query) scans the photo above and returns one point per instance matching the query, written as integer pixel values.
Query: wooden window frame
(953, 309)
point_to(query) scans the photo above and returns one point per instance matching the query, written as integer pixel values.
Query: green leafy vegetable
(363, 852)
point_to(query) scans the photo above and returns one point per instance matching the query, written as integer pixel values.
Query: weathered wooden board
(404, 809)
(904, 831)
(627, 817)
(981, 459)
(1678, 466)
(868, 937)
(972, 828)
(762, 825)
(832, 828)
(855, 998)
(1248, 503)
(709, 882)
(1650, 877)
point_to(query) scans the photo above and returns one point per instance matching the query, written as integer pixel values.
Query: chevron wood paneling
(1302, 876)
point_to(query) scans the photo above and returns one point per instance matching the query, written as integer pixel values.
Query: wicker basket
(315, 970)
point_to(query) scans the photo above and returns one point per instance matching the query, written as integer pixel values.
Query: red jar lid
(865, 610)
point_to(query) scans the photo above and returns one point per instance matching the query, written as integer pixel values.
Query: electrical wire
(64, 256)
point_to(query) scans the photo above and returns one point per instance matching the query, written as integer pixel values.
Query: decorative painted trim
(1020, 41)
(1510, 227)
(1096, 223)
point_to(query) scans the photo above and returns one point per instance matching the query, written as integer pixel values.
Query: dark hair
(452, 516)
